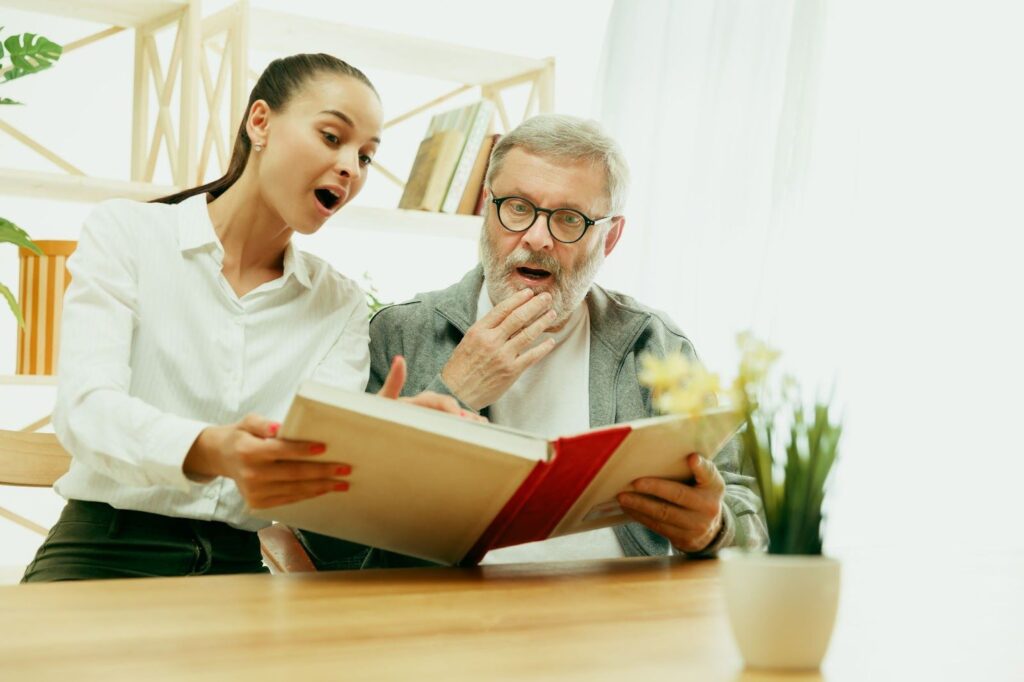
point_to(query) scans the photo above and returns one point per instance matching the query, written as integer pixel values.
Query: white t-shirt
(552, 398)
(155, 346)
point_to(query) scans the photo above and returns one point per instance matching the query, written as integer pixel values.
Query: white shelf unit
(126, 13)
(28, 380)
(187, 74)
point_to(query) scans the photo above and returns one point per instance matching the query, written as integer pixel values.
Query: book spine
(549, 492)
(475, 137)
(506, 516)
(481, 198)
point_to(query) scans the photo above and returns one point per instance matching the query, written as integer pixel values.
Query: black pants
(93, 540)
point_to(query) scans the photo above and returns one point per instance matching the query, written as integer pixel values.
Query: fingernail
(343, 470)
(341, 486)
(273, 429)
(317, 448)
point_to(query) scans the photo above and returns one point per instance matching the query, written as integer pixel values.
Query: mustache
(521, 257)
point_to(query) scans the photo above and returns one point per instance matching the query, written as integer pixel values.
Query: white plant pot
(781, 608)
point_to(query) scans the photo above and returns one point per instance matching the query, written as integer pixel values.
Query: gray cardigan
(426, 330)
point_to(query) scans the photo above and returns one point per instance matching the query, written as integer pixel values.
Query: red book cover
(536, 508)
(482, 196)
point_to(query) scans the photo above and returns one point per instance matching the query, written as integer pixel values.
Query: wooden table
(913, 618)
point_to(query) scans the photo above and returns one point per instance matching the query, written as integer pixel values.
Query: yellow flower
(756, 357)
(694, 389)
(679, 401)
(737, 394)
(662, 374)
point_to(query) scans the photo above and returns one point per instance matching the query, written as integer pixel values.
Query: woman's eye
(331, 138)
(365, 160)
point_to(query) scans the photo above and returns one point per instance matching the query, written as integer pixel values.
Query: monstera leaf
(30, 53)
(9, 232)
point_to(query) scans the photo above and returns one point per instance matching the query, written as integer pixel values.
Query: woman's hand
(395, 380)
(268, 471)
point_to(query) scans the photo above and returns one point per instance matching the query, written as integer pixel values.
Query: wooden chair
(32, 460)
(283, 552)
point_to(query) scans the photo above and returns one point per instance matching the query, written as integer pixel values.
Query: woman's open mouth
(327, 199)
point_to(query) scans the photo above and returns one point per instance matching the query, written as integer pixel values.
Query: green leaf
(9, 232)
(1, 45)
(8, 100)
(30, 53)
(13, 304)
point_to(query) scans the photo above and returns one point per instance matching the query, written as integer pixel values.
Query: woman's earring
(258, 147)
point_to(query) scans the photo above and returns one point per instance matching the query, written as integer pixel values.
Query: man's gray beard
(569, 290)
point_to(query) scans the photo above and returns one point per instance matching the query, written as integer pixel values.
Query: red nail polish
(341, 486)
(273, 429)
(317, 448)
(343, 470)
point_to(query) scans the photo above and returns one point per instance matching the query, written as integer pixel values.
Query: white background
(908, 257)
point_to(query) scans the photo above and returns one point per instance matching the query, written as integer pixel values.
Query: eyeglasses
(565, 225)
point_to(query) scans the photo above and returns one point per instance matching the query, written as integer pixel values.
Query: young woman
(190, 320)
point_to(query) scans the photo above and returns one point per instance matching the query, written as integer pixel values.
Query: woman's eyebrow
(345, 117)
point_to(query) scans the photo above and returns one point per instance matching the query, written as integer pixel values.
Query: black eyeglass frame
(537, 210)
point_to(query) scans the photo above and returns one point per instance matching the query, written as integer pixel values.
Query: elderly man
(528, 340)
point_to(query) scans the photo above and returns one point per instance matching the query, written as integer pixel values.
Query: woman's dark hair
(276, 86)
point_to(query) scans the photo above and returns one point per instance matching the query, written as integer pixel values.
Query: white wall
(82, 109)
(901, 279)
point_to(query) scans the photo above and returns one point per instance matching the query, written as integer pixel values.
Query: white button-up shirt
(156, 346)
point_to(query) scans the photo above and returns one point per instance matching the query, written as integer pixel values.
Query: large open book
(445, 489)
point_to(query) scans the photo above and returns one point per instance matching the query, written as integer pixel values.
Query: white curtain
(845, 178)
(714, 103)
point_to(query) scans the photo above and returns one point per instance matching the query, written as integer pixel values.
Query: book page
(501, 438)
(655, 447)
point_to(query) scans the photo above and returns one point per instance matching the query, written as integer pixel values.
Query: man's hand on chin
(689, 515)
(498, 349)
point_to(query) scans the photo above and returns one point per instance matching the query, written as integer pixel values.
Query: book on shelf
(446, 158)
(431, 171)
(435, 486)
(479, 199)
(480, 116)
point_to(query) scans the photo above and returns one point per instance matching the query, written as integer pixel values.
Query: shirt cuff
(169, 443)
(724, 538)
(438, 386)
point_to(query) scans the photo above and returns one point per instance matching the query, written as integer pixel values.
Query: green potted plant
(373, 301)
(28, 54)
(781, 603)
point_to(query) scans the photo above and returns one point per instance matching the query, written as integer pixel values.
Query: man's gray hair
(567, 138)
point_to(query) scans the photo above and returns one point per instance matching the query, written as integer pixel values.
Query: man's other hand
(689, 515)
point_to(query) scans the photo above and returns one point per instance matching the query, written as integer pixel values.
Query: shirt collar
(295, 265)
(195, 231)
